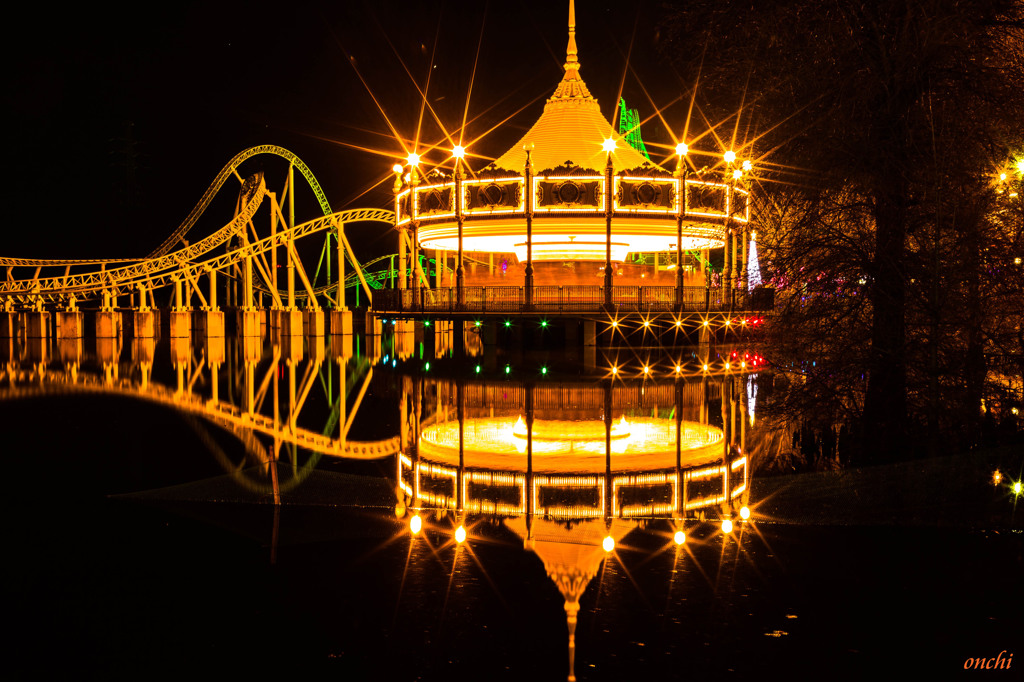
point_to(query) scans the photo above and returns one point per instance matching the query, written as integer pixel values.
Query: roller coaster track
(164, 270)
(226, 172)
(23, 383)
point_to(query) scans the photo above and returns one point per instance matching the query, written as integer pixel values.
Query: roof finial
(570, 52)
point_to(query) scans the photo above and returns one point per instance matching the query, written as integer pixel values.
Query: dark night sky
(118, 120)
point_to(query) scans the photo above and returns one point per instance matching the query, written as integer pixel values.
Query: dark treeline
(880, 130)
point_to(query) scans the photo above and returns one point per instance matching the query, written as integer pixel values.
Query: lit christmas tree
(753, 269)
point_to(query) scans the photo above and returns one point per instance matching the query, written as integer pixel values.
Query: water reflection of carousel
(572, 468)
(574, 451)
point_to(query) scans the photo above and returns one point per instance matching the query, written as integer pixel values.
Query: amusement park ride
(572, 194)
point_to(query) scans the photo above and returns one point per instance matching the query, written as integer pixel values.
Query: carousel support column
(680, 487)
(414, 224)
(609, 170)
(681, 173)
(460, 409)
(528, 407)
(460, 271)
(528, 188)
(341, 316)
(607, 450)
(727, 440)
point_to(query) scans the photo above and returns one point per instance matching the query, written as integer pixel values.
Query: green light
(543, 370)
(478, 369)
(427, 366)
(427, 323)
(508, 323)
(543, 323)
(508, 369)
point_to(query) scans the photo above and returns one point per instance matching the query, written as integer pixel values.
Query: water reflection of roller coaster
(269, 430)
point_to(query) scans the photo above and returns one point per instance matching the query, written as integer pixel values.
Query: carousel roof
(572, 127)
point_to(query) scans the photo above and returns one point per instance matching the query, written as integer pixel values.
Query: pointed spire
(571, 52)
(572, 88)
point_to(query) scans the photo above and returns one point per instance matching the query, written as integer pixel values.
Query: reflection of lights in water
(507, 435)
(608, 543)
(415, 524)
(680, 537)
(726, 526)
(751, 397)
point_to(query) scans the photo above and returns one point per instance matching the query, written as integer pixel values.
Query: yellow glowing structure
(745, 513)
(458, 151)
(679, 537)
(730, 156)
(997, 477)
(566, 190)
(397, 168)
(608, 544)
(413, 159)
(726, 526)
(1017, 488)
(415, 524)
(460, 534)
(747, 165)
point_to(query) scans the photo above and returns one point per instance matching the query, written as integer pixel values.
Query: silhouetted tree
(885, 121)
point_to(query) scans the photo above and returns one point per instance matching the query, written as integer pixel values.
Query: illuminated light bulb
(707, 322)
(647, 323)
(727, 365)
(508, 323)
(1020, 166)
(737, 174)
(1016, 261)
(543, 323)
(997, 477)
(647, 370)
(730, 156)
(743, 365)
(608, 145)
(413, 159)
(458, 151)
(681, 149)
(679, 368)
(608, 543)
(728, 322)
(1016, 488)
(543, 370)
(508, 369)
(615, 370)
(679, 323)
(744, 513)
(747, 165)
(743, 322)
(615, 324)
(460, 534)
(1002, 177)
(478, 369)
(427, 366)
(679, 537)
(726, 526)
(397, 168)
(415, 524)
(705, 368)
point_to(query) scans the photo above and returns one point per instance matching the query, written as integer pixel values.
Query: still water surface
(143, 538)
